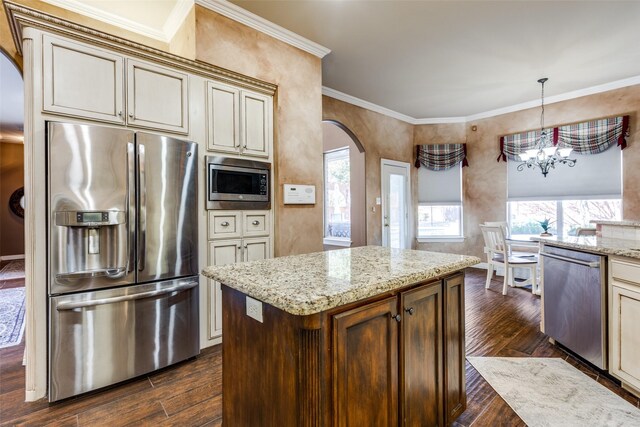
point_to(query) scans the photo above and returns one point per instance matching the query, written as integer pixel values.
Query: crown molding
(230, 10)
(341, 96)
(171, 25)
(618, 84)
(176, 18)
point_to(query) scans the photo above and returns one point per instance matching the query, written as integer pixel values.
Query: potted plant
(545, 224)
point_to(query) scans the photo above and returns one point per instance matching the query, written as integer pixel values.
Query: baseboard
(11, 257)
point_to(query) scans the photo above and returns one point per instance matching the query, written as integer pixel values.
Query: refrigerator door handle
(142, 213)
(113, 273)
(131, 206)
(149, 294)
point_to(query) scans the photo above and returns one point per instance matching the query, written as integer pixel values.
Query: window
(568, 215)
(570, 197)
(440, 204)
(337, 196)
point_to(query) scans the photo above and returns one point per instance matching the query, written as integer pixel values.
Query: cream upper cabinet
(624, 344)
(223, 112)
(157, 97)
(256, 133)
(81, 80)
(238, 121)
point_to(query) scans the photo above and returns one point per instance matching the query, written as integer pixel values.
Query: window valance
(439, 157)
(592, 137)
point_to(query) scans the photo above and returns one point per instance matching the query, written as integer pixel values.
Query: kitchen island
(362, 336)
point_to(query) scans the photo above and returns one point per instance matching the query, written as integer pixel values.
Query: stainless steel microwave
(237, 183)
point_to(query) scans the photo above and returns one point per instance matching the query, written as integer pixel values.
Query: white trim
(332, 93)
(11, 257)
(110, 18)
(617, 84)
(176, 18)
(336, 241)
(456, 239)
(256, 22)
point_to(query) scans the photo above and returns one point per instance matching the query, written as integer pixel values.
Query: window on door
(337, 195)
(440, 204)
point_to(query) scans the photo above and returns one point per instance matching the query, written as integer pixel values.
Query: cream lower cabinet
(234, 236)
(624, 318)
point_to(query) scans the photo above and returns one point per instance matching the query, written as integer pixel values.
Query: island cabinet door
(455, 396)
(365, 365)
(421, 387)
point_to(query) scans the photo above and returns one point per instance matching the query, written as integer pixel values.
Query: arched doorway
(345, 223)
(12, 291)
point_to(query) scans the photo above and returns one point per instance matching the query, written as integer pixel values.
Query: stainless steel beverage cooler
(123, 255)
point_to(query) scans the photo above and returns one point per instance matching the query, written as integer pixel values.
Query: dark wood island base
(394, 359)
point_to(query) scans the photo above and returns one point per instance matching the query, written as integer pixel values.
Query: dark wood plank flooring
(190, 394)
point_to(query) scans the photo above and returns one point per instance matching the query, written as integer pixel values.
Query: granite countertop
(618, 223)
(311, 283)
(600, 245)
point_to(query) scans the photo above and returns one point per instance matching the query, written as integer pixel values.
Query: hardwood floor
(190, 394)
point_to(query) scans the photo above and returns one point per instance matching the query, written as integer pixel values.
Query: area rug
(13, 270)
(12, 309)
(551, 392)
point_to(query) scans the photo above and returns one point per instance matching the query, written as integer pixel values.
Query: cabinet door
(256, 223)
(365, 365)
(220, 253)
(223, 118)
(455, 395)
(625, 340)
(81, 80)
(421, 354)
(157, 97)
(256, 249)
(255, 116)
(224, 224)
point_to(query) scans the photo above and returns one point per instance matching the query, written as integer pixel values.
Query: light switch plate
(254, 309)
(296, 194)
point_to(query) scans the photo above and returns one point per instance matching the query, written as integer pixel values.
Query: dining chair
(512, 245)
(497, 251)
(585, 231)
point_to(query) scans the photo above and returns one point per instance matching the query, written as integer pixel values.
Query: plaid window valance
(592, 137)
(439, 157)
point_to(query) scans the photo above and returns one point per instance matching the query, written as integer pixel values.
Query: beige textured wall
(183, 42)
(383, 137)
(485, 181)
(11, 178)
(298, 116)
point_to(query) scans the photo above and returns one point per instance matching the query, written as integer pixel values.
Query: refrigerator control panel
(89, 218)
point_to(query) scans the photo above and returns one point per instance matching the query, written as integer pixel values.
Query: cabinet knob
(224, 224)
(410, 310)
(256, 222)
(131, 115)
(397, 317)
(245, 246)
(120, 113)
(239, 246)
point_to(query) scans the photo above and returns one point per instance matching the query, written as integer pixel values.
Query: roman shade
(442, 187)
(595, 176)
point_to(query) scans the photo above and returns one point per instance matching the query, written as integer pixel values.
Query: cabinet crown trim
(21, 17)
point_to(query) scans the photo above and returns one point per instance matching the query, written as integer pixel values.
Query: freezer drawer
(104, 337)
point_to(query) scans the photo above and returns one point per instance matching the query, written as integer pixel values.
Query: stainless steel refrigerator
(122, 255)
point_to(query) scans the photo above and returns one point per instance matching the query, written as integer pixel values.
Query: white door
(395, 204)
(256, 249)
(223, 117)
(255, 116)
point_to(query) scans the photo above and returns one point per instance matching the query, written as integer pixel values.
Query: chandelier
(546, 155)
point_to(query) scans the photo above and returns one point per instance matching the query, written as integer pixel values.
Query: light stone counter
(311, 283)
(594, 244)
